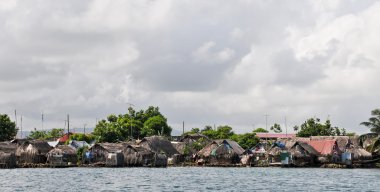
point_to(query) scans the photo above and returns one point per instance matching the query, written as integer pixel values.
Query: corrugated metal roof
(324, 147)
(64, 138)
(275, 135)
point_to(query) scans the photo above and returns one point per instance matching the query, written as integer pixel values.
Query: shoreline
(324, 166)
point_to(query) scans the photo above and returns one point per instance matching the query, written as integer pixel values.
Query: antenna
(286, 127)
(21, 128)
(16, 117)
(266, 121)
(266, 128)
(68, 123)
(42, 120)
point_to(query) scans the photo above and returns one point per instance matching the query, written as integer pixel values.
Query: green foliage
(195, 130)
(132, 125)
(156, 125)
(313, 127)
(260, 130)
(192, 131)
(276, 128)
(375, 147)
(80, 153)
(207, 128)
(222, 132)
(82, 137)
(246, 140)
(52, 134)
(187, 150)
(198, 145)
(7, 128)
(55, 133)
(374, 122)
(41, 135)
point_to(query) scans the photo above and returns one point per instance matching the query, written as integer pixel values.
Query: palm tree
(374, 122)
(376, 145)
(276, 128)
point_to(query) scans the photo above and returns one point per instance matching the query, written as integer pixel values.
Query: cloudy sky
(202, 62)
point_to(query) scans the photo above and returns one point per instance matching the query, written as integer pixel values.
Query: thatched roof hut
(111, 154)
(359, 154)
(7, 160)
(158, 144)
(136, 156)
(19, 141)
(280, 146)
(62, 155)
(78, 144)
(328, 150)
(342, 141)
(368, 140)
(7, 155)
(8, 147)
(32, 151)
(192, 137)
(221, 152)
(303, 154)
(185, 149)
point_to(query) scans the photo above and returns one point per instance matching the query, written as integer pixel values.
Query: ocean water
(189, 179)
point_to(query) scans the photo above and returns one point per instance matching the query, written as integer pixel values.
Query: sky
(202, 62)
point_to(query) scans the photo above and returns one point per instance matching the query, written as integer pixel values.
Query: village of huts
(273, 149)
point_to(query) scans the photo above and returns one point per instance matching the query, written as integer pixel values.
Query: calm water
(189, 179)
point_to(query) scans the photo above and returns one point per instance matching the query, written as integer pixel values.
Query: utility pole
(183, 127)
(266, 121)
(266, 128)
(68, 123)
(21, 128)
(286, 127)
(130, 106)
(16, 117)
(42, 120)
(84, 129)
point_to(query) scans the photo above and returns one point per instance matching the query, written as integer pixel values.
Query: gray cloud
(203, 62)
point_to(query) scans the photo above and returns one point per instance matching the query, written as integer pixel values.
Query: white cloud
(205, 54)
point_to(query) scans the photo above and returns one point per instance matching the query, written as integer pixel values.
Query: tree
(222, 132)
(296, 128)
(82, 137)
(7, 128)
(138, 123)
(41, 135)
(55, 133)
(106, 132)
(314, 127)
(156, 125)
(374, 122)
(276, 128)
(375, 146)
(247, 140)
(207, 128)
(260, 130)
(192, 131)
